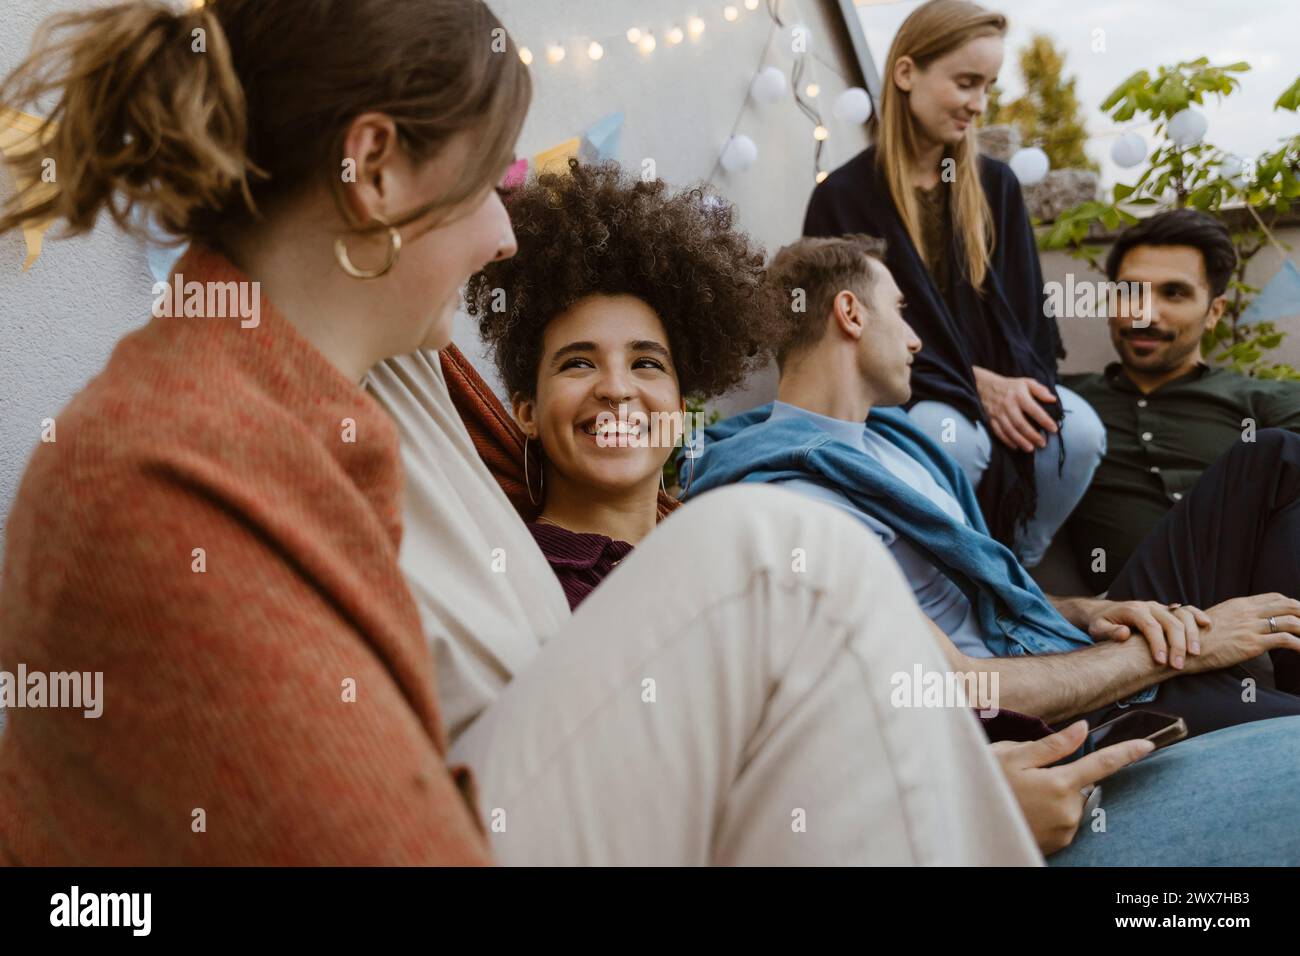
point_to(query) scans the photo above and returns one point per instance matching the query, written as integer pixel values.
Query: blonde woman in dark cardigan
(960, 246)
(217, 528)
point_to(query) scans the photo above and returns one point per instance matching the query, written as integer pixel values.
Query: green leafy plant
(1204, 177)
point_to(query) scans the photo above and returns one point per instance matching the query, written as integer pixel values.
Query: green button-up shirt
(1157, 445)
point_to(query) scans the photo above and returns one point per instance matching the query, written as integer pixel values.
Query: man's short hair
(1181, 227)
(812, 272)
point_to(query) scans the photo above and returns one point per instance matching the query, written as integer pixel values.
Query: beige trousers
(724, 698)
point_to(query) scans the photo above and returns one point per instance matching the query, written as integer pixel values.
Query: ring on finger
(1272, 625)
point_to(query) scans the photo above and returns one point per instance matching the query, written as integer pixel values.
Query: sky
(1144, 34)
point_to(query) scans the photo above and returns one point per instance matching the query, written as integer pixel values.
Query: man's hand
(1014, 409)
(1239, 630)
(1051, 798)
(1172, 630)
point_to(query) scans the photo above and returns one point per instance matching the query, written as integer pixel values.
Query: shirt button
(1147, 436)
(1142, 403)
(1155, 469)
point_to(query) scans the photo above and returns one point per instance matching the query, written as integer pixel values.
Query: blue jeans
(971, 445)
(1229, 798)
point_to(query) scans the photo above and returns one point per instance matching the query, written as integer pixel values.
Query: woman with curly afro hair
(623, 299)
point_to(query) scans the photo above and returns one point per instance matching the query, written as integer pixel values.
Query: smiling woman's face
(603, 352)
(949, 95)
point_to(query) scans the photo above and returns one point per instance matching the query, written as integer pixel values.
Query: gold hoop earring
(541, 485)
(345, 261)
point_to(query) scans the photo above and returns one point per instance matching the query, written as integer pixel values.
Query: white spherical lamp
(1030, 165)
(739, 154)
(853, 106)
(1129, 150)
(1187, 127)
(768, 86)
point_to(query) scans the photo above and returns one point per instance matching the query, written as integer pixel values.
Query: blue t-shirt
(940, 599)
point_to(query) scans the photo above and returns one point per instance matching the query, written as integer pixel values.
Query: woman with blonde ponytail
(215, 540)
(960, 246)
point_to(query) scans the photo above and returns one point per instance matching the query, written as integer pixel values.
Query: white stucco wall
(60, 319)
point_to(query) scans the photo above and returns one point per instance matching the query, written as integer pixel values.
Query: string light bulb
(633, 35)
(675, 35)
(647, 43)
(595, 51)
(555, 53)
(751, 4)
(729, 13)
(820, 133)
(821, 175)
(695, 26)
(526, 55)
(812, 89)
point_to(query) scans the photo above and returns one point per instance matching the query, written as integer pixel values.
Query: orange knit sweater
(215, 528)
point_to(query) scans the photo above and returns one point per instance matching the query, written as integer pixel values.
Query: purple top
(579, 559)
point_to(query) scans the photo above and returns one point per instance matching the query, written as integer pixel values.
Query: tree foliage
(1048, 114)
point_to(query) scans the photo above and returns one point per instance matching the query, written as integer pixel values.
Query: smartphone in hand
(1160, 729)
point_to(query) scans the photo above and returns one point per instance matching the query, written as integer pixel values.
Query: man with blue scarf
(845, 359)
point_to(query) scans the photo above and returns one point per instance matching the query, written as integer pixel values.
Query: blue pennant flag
(601, 141)
(1280, 299)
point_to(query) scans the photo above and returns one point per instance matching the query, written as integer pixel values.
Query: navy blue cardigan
(1002, 327)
